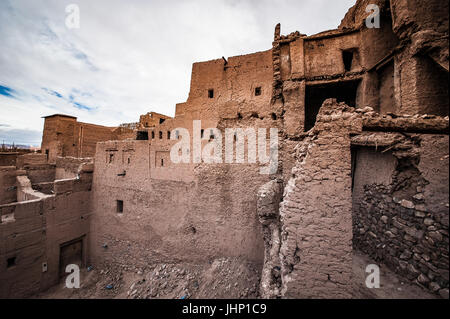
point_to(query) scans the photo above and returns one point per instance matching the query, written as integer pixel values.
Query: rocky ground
(392, 286)
(222, 278)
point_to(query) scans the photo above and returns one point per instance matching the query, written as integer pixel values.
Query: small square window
(211, 93)
(258, 91)
(10, 262)
(120, 206)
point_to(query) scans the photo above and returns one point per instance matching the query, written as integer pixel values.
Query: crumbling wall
(7, 184)
(25, 192)
(41, 173)
(422, 29)
(69, 167)
(32, 232)
(31, 159)
(316, 221)
(8, 158)
(268, 201)
(401, 206)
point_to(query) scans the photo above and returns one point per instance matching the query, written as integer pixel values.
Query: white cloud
(131, 57)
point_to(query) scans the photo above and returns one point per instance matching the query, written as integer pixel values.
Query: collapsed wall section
(316, 220)
(35, 234)
(400, 204)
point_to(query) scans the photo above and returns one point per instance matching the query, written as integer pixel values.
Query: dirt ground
(222, 278)
(392, 286)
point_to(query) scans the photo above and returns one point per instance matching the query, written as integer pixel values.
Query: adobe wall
(32, 232)
(422, 27)
(191, 213)
(340, 184)
(69, 167)
(401, 206)
(234, 85)
(64, 136)
(315, 213)
(7, 184)
(31, 159)
(8, 158)
(186, 211)
(152, 119)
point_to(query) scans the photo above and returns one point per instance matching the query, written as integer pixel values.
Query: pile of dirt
(220, 278)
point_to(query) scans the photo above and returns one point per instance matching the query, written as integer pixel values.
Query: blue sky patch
(6, 91)
(81, 106)
(51, 92)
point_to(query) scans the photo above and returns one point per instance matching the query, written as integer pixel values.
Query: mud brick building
(362, 119)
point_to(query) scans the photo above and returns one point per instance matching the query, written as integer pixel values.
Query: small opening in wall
(160, 135)
(142, 135)
(239, 115)
(161, 121)
(211, 93)
(255, 115)
(202, 132)
(347, 57)
(129, 161)
(11, 262)
(258, 91)
(168, 135)
(153, 135)
(274, 116)
(119, 206)
(162, 162)
(111, 158)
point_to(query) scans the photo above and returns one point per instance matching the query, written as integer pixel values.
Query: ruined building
(362, 120)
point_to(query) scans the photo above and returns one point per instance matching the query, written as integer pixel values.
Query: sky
(128, 57)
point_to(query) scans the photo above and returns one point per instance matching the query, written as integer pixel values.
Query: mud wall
(400, 209)
(32, 232)
(7, 184)
(191, 213)
(316, 221)
(64, 136)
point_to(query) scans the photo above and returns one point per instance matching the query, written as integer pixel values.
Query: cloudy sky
(128, 57)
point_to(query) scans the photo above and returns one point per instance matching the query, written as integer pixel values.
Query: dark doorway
(70, 253)
(142, 135)
(316, 94)
(347, 57)
(119, 205)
